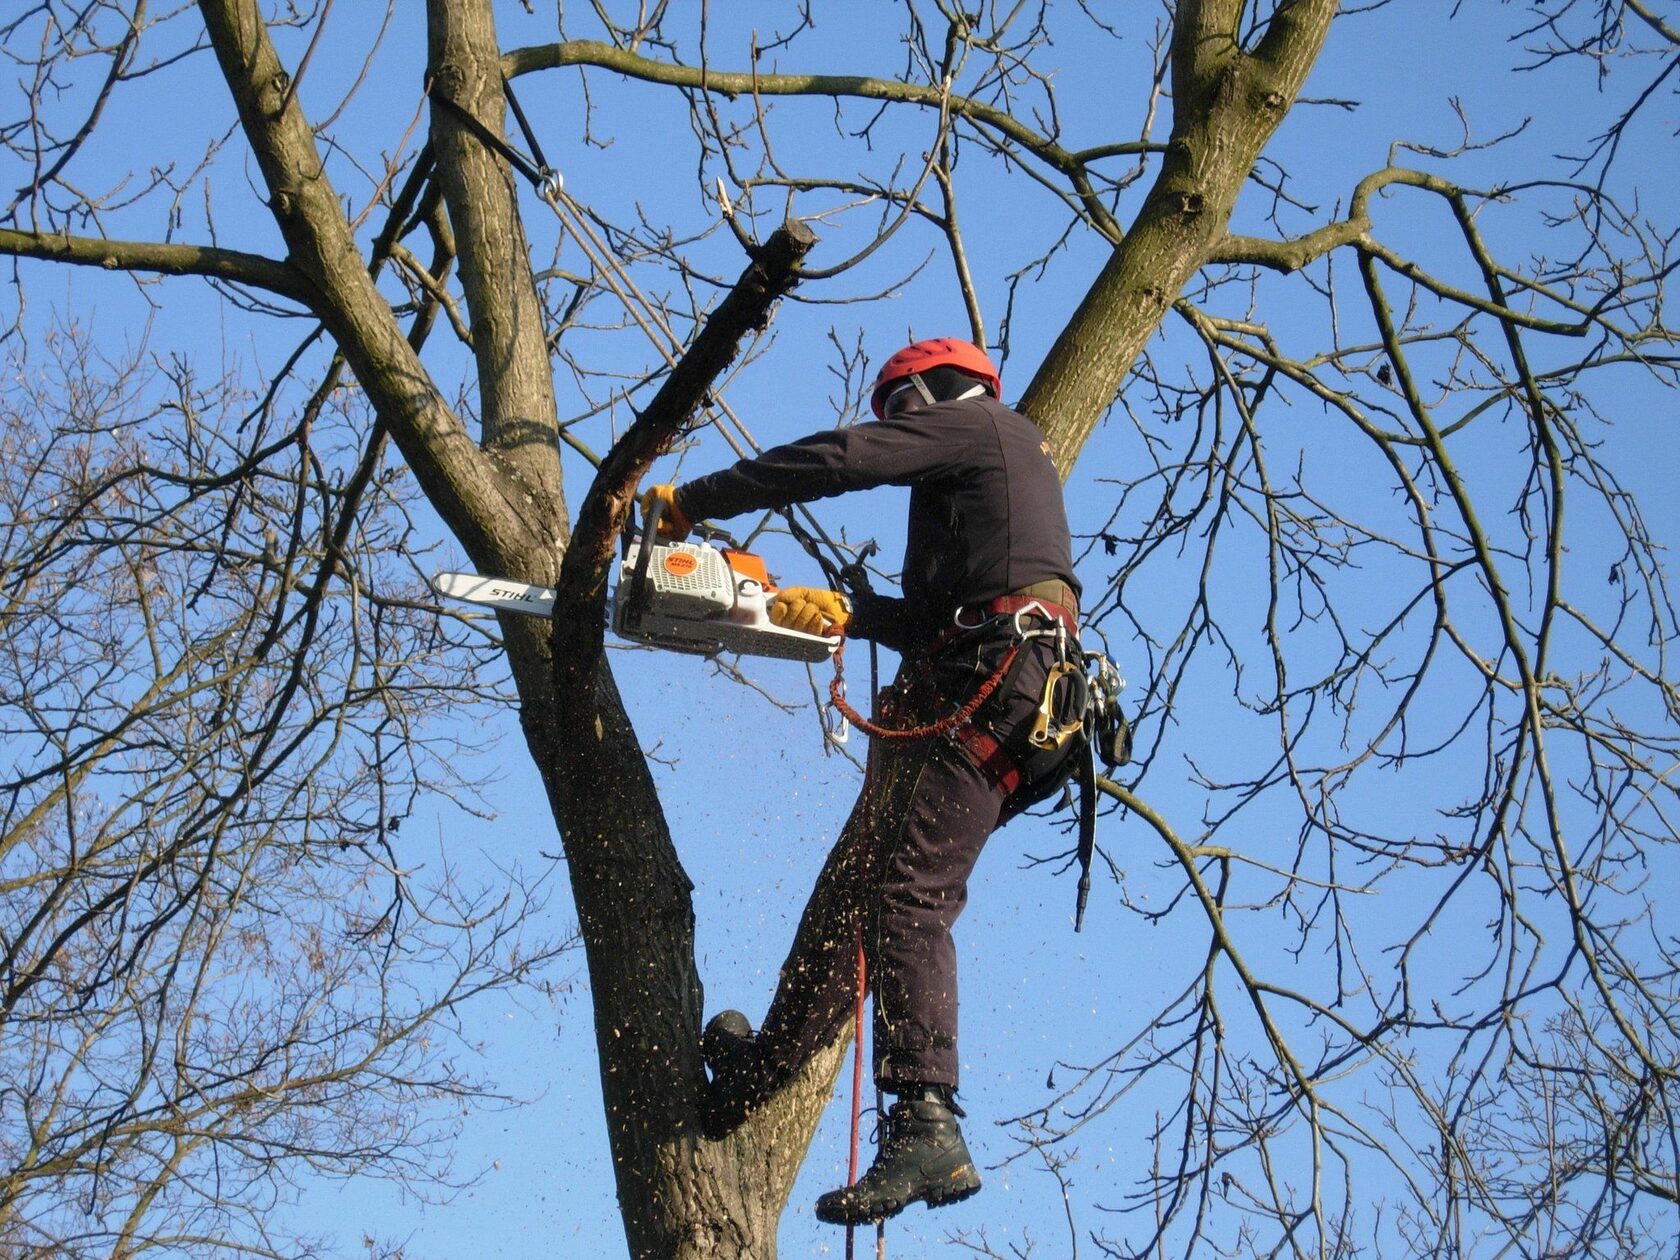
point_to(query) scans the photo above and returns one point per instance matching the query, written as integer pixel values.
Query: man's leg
(818, 984)
(923, 863)
(906, 853)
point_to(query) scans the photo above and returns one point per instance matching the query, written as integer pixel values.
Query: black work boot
(923, 1160)
(730, 1048)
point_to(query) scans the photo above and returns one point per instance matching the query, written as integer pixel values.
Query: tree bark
(515, 382)
(1226, 105)
(680, 1194)
(165, 259)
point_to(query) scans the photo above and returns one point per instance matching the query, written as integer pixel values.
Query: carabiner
(1047, 732)
(836, 729)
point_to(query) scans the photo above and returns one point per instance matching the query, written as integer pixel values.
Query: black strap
(524, 125)
(1087, 823)
(537, 172)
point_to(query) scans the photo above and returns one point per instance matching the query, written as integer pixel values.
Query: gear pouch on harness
(1036, 694)
(1049, 743)
(1056, 705)
(1040, 711)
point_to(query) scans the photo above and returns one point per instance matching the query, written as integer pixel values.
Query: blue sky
(753, 802)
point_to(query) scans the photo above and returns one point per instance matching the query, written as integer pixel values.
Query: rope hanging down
(943, 726)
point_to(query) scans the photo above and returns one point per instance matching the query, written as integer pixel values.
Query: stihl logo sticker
(681, 563)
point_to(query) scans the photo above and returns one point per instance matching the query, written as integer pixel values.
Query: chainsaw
(688, 597)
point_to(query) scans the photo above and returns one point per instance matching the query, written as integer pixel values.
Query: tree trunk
(681, 1195)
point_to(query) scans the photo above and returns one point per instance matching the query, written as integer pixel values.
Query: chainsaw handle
(644, 556)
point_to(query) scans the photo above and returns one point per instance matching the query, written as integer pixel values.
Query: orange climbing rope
(837, 694)
(857, 1073)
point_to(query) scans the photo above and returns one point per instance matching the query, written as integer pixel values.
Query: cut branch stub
(772, 273)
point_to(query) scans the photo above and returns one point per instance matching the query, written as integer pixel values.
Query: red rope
(857, 1072)
(837, 694)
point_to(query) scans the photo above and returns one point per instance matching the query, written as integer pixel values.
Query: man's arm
(887, 452)
(931, 442)
(881, 618)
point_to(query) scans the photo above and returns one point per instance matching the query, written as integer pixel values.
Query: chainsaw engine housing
(694, 597)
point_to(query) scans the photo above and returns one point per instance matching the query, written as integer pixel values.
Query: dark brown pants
(899, 872)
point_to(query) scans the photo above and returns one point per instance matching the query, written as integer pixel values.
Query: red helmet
(924, 356)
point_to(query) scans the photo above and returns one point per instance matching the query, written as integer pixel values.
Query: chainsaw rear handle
(627, 534)
(649, 528)
(853, 579)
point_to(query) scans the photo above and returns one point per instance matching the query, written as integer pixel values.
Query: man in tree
(990, 603)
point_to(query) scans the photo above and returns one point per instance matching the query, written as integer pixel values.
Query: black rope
(842, 576)
(535, 170)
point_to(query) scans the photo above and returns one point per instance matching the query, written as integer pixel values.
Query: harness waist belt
(1065, 614)
(1054, 591)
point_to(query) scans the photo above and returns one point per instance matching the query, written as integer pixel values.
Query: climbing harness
(1078, 711)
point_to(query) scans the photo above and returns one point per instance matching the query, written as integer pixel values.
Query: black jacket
(986, 511)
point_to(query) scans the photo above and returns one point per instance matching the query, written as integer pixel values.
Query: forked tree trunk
(681, 1195)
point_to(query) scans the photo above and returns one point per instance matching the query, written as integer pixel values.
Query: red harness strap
(982, 747)
(1006, 605)
(990, 756)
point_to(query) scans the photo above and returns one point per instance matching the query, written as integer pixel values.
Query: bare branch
(172, 260)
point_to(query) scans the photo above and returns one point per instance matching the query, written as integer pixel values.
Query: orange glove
(810, 610)
(673, 525)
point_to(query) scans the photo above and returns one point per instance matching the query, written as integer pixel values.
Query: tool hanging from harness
(1078, 717)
